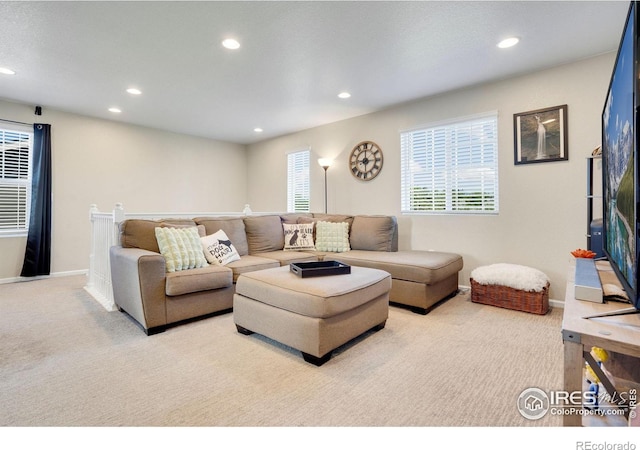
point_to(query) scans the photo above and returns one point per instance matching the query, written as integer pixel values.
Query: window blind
(298, 186)
(451, 168)
(15, 181)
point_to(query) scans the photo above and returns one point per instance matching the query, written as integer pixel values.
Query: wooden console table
(619, 334)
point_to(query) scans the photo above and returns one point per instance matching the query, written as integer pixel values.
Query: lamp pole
(325, 188)
(325, 164)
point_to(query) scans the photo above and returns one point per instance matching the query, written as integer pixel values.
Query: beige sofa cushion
(136, 233)
(233, 227)
(196, 280)
(374, 233)
(419, 266)
(250, 263)
(264, 234)
(285, 257)
(294, 217)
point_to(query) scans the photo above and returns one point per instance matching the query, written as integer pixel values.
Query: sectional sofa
(157, 298)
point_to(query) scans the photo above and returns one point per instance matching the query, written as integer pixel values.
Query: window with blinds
(15, 181)
(451, 168)
(298, 186)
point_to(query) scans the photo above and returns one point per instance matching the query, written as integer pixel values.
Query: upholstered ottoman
(314, 315)
(511, 286)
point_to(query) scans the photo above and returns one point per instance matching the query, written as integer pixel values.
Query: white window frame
(15, 180)
(298, 181)
(440, 161)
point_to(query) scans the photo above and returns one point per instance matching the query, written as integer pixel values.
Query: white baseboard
(556, 303)
(42, 277)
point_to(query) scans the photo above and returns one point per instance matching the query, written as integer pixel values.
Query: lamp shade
(325, 162)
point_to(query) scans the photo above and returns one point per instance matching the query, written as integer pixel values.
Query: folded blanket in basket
(511, 275)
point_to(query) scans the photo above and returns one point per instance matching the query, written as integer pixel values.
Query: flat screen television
(620, 161)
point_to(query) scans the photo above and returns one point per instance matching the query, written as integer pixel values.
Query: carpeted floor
(65, 361)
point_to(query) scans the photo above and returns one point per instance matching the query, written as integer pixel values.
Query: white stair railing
(104, 234)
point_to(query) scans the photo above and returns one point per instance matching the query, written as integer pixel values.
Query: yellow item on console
(599, 354)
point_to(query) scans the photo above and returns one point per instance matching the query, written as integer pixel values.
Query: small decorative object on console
(581, 253)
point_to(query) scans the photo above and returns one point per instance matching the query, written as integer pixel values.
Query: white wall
(542, 206)
(104, 162)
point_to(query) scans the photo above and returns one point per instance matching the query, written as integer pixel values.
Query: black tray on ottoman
(319, 268)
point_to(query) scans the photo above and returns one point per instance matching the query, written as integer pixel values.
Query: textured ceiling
(295, 57)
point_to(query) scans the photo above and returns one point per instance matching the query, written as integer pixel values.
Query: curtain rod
(15, 121)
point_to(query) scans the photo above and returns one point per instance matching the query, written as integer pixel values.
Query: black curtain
(37, 257)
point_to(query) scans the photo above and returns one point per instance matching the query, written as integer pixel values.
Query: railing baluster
(103, 235)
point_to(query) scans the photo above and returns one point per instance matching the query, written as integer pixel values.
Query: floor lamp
(325, 163)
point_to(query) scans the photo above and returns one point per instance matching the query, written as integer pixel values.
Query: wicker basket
(510, 298)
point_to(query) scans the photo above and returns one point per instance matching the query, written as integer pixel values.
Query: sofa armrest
(138, 279)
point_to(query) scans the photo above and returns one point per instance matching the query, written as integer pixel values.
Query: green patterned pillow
(181, 248)
(332, 237)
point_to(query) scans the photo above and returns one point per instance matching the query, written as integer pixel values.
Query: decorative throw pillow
(181, 248)
(298, 236)
(218, 249)
(332, 237)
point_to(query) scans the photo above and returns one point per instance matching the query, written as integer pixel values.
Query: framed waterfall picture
(541, 135)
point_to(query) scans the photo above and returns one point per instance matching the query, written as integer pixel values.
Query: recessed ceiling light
(231, 44)
(134, 91)
(344, 95)
(6, 71)
(258, 130)
(508, 42)
(115, 110)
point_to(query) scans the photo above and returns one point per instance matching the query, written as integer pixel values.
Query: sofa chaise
(156, 298)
